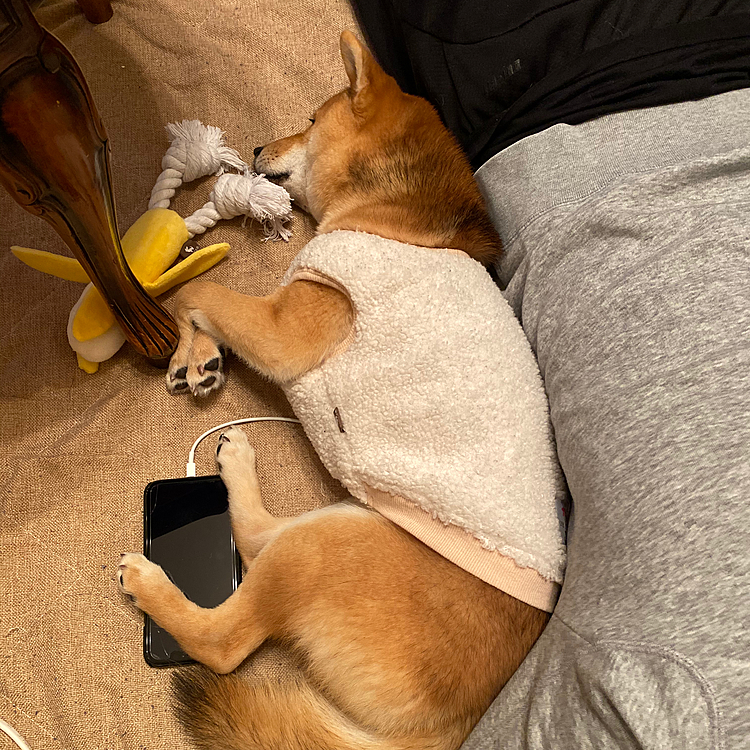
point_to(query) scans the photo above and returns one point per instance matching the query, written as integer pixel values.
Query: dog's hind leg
(220, 637)
(269, 596)
(252, 524)
(282, 335)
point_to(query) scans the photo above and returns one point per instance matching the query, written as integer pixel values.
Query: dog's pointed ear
(365, 75)
(356, 61)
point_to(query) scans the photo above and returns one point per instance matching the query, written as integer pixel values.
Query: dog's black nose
(256, 151)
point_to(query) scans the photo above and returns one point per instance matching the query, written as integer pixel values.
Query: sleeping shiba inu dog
(394, 348)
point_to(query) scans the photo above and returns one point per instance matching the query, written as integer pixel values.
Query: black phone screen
(188, 532)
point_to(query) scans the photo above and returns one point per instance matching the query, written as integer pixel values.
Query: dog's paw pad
(202, 385)
(177, 380)
(205, 371)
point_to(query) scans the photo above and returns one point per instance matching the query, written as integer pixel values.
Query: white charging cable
(17, 739)
(190, 466)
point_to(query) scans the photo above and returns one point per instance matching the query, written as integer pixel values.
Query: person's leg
(628, 258)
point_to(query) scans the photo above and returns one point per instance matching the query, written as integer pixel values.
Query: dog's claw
(222, 439)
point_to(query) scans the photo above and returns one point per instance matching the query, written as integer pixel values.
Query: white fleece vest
(433, 410)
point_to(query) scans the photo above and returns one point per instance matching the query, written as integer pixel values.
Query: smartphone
(186, 530)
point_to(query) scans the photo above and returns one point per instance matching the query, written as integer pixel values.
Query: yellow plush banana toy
(154, 242)
(150, 246)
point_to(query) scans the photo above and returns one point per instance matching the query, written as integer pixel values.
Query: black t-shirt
(499, 70)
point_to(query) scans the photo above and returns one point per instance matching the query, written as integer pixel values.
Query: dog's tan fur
(402, 649)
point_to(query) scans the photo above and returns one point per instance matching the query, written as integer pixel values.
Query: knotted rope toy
(198, 150)
(155, 240)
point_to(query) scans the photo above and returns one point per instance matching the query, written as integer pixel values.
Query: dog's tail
(233, 714)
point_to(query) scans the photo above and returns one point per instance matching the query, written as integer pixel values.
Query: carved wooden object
(54, 161)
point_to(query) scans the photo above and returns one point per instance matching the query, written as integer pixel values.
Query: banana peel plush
(151, 246)
(154, 242)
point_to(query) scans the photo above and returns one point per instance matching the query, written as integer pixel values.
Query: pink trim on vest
(466, 551)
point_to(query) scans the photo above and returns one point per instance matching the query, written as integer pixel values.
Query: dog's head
(376, 159)
(311, 164)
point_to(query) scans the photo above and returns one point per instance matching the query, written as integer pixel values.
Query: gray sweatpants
(628, 260)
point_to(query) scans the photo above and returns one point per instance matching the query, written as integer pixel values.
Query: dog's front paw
(236, 459)
(234, 452)
(201, 371)
(142, 580)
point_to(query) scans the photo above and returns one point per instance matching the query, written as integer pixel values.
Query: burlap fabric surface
(77, 449)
